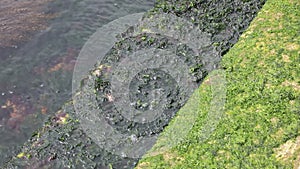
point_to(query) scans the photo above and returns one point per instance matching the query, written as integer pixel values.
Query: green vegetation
(260, 125)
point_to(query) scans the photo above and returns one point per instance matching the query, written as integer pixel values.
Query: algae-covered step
(260, 124)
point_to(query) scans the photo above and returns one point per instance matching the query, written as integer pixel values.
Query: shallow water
(35, 75)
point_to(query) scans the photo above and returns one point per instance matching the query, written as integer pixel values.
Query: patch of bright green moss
(262, 110)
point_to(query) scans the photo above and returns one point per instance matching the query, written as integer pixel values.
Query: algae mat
(260, 126)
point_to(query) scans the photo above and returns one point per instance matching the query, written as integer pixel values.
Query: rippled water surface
(40, 41)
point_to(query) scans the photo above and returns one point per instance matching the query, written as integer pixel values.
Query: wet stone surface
(149, 85)
(141, 113)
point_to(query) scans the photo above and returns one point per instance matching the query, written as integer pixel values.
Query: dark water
(36, 76)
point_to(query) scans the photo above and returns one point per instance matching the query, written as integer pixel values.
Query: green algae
(262, 107)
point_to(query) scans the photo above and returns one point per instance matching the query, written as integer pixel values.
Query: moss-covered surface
(260, 126)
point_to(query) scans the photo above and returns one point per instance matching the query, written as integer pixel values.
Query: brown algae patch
(286, 58)
(289, 152)
(143, 165)
(292, 46)
(294, 85)
(172, 158)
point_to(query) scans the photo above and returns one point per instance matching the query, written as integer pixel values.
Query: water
(36, 74)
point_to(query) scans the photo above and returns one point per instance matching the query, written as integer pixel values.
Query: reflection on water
(39, 44)
(20, 19)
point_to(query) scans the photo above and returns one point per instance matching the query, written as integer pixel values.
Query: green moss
(262, 106)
